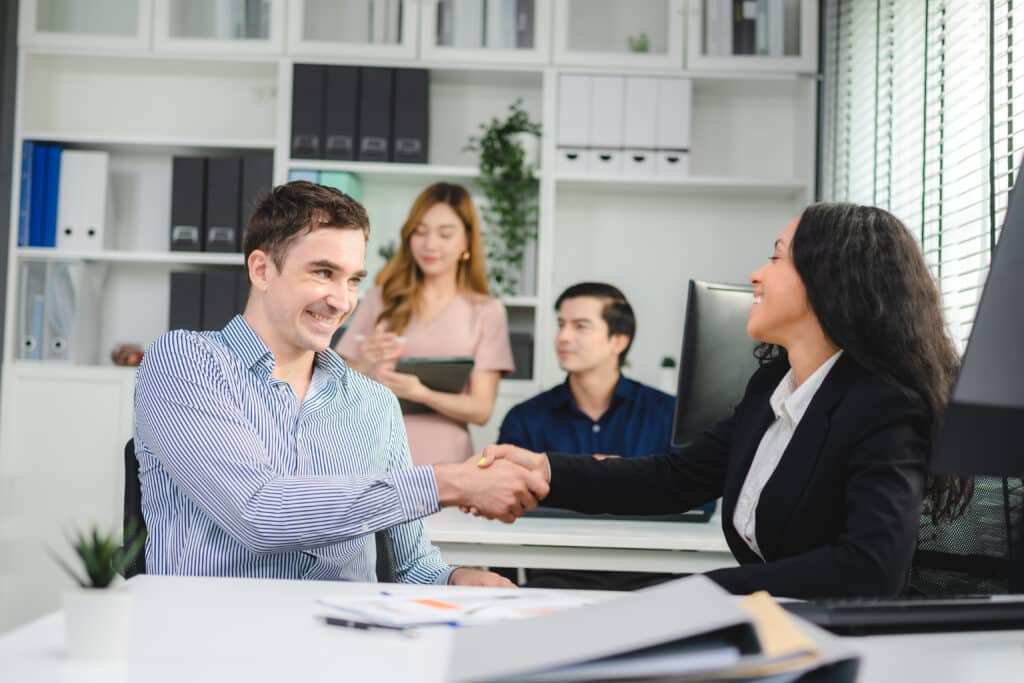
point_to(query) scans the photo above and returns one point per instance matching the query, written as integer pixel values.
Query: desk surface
(578, 543)
(208, 629)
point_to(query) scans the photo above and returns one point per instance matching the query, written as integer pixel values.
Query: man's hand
(536, 462)
(503, 491)
(467, 576)
(604, 456)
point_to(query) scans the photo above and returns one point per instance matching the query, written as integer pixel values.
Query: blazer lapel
(783, 492)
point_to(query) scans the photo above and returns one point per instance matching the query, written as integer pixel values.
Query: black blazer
(839, 515)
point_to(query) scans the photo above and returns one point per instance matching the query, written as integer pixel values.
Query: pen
(361, 625)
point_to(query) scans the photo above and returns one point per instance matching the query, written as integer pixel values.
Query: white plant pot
(98, 622)
(668, 380)
(531, 148)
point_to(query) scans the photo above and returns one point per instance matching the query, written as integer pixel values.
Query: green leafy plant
(511, 189)
(638, 43)
(387, 251)
(102, 556)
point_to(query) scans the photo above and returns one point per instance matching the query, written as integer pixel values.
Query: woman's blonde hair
(400, 279)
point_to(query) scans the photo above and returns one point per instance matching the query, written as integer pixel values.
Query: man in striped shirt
(262, 454)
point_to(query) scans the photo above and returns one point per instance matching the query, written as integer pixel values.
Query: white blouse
(789, 403)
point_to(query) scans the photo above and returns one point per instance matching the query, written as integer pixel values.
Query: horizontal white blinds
(923, 114)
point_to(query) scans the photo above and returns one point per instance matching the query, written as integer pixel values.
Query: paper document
(411, 611)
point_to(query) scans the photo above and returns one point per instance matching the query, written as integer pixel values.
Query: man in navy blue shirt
(596, 411)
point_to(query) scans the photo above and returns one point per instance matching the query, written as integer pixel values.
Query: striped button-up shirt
(241, 479)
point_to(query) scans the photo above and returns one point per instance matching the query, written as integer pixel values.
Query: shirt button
(421, 508)
(365, 527)
(596, 428)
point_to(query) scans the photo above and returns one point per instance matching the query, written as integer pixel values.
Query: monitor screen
(717, 358)
(983, 429)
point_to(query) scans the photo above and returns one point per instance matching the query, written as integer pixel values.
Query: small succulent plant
(102, 556)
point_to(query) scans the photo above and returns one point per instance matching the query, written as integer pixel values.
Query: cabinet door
(61, 469)
(353, 28)
(753, 35)
(487, 31)
(107, 24)
(636, 34)
(225, 26)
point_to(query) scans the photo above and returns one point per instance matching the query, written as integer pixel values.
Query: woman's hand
(381, 349)
(403, 384)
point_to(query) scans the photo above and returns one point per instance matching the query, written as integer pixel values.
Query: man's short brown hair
(296, 208)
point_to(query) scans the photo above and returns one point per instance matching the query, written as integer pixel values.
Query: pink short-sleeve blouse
(470, 325)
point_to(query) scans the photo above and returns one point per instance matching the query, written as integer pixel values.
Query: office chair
(717, 358)
(971, 555)
(386, 565)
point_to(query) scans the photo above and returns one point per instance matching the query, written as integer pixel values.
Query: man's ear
(619, 342)
(259, 265)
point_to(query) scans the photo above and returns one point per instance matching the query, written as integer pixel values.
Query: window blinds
(923, 114)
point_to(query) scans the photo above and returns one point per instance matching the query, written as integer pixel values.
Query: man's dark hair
(616, 311)
(296, 208)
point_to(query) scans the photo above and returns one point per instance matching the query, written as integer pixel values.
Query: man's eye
(325, 274)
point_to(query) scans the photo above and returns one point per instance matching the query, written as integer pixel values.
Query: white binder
(573, 133)
(641, 101)
(672, 130)
(82, 200)
(607, 127)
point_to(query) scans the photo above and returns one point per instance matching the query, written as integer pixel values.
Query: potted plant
(98, 614)
(510, 188)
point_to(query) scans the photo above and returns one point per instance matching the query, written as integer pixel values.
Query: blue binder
(52, 191)
(25, 198)
(39, 159)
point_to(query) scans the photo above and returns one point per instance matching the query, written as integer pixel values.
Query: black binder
(375, 97)
(223, 197)
(186, 305)
(220, 298)
(411, 116)
(308, 81)
(257, 180)
(188, 208)
(341, 111)
(522, 354)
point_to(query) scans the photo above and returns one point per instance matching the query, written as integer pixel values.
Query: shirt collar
(244, 341)
(791, 400)
(625, 390)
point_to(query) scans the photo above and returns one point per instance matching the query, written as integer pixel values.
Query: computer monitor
(717, 358)
(983, 428)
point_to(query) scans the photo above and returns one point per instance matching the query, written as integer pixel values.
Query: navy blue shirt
(638, 423)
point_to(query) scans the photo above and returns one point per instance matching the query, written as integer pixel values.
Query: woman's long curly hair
(400, 279)
(873, 295)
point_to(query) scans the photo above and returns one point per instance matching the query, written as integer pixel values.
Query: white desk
(568, 543)
(214, 630)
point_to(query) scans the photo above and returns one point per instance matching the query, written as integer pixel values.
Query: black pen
(361, 625)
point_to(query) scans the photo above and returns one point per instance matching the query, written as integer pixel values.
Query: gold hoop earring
(465, 256)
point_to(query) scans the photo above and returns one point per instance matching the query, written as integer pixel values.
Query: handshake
(502, 482)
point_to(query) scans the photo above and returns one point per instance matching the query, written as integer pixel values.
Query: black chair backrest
(386, 566)
(133, 509)
(717, 357)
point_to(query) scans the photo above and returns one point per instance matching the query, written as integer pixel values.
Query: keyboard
(696, 515)
(863, 617)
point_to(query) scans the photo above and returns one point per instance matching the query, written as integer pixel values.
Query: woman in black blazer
(822, 485)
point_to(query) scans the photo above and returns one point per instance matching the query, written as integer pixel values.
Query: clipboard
(447, 374)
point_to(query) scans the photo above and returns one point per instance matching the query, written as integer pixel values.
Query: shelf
(137, 257)
(146, 141)
(520, 301)
(61, 370)
(789, 187)
(381, 168)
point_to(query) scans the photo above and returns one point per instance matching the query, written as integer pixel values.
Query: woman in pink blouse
(432, 299)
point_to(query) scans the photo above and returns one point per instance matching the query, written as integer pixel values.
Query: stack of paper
(413, 611)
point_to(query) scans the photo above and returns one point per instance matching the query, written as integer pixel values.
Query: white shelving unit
(145, 99)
